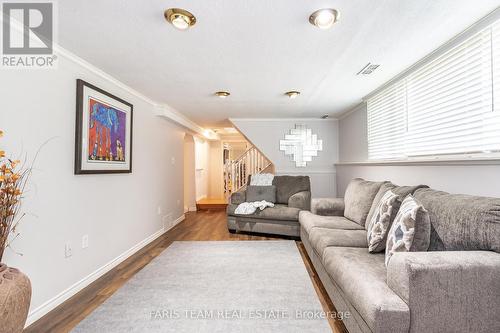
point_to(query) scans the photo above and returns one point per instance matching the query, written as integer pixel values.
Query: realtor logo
(28, 35)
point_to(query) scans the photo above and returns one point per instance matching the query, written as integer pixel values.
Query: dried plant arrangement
(14, 176)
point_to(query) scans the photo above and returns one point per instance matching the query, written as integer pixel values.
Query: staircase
(236, 172)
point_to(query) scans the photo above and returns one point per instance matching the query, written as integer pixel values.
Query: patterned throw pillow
(410, 231)
(381, 220)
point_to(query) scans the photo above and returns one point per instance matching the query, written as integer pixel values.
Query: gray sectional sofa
(453, 287)
(293, 194)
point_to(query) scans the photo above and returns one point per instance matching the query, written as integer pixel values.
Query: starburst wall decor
(301, 144)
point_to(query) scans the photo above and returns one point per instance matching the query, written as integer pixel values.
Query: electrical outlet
(158, 210)
(178, 202)
(85, 241)
(172, 160)
(67, 250)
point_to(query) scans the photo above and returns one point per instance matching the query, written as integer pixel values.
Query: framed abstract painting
(103, 131)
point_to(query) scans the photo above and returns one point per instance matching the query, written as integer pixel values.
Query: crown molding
(282, 119)
(454, 41)
(351, 111)
(161, 110)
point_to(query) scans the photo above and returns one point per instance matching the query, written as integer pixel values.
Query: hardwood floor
(206, 225)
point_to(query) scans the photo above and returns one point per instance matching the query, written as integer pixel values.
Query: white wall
(459, 177)
(189, 174)
(215, 171)
(266, 134)
(202, 151)
(117, 212)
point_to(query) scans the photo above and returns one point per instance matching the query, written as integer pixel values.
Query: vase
(15, 297)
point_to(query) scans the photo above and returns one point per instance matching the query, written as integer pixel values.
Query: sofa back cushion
(286, 186)
(461, 222)
(358, 199)
(259, 193)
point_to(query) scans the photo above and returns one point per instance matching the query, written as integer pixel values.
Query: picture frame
(103, 133)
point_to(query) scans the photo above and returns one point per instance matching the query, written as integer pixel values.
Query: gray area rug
(230, 286)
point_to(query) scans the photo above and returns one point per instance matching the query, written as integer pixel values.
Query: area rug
(216, 286)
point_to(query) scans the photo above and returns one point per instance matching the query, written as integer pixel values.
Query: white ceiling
(259, 49)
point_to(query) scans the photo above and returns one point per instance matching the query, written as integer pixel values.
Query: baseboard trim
(192, 209)
(51, 304)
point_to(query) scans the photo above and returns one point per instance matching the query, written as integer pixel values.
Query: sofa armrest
(328, 206)
(456, 291)
(238, 197)
(301, 200)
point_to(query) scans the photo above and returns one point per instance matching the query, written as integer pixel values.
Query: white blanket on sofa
(247, 208)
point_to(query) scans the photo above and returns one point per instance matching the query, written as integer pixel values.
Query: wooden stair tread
(212, 204)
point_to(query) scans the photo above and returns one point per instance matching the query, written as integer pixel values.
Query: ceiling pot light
(292, 94)
(222, 94)
(324, 18)
(180, 18)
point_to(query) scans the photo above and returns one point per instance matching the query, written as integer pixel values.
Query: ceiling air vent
(368, 69)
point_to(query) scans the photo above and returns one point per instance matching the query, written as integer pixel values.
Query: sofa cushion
(380, 223)
(286, 186)
(328, 206)
(321, 238)
(238, 197)
(461, 222)
(259, 193)
(411, 230)
(309, 220)
(278, 212)
(362, 278)
(358, 199)
(301, 200)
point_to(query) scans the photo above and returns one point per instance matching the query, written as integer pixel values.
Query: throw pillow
(358, 199)
(259, 193)
(381, 221)
(410, 231)
(375, 204)
(401, 191)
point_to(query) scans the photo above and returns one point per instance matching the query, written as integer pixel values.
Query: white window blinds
(494, 125)
(448, 106)
(387, 122)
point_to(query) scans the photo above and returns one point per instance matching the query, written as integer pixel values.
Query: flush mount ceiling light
(222, 94)
(180, 18)
(292, 94)
(324, 18)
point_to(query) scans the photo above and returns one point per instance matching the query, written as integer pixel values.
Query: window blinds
(448, 106)
(387, 122)
(494, 125)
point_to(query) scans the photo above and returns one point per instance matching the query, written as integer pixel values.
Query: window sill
(428, 162)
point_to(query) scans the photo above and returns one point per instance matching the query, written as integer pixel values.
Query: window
(448, 106)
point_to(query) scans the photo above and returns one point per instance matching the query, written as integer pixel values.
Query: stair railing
(236, 172)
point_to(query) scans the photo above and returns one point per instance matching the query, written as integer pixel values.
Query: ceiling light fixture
(180, 18)
(324, 18)
(222, 94)
(292, 94)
